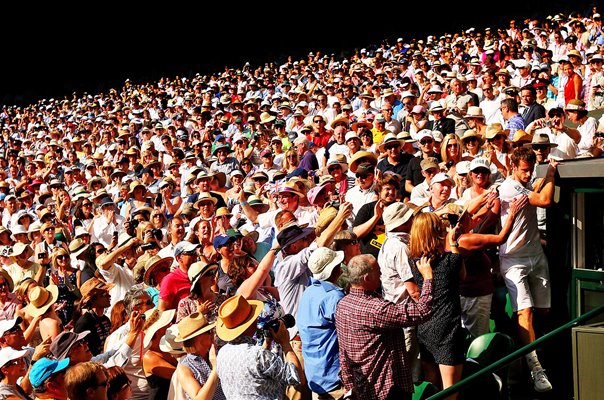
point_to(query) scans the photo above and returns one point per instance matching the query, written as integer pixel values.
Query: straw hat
(521, 135)
(41, 298)
(541, 138)
(389, 139)
(495, 129)
(472, 133)
(290, 187)
(134, 185)
(164, 319)
(153, 264)
(338, 120)
(196, 324)
(365, 156)
(77, 246)
(205, 196)
(235, 316)
(257, 203)
(337, 159)
(474, 112)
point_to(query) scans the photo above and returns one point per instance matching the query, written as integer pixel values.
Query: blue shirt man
(317, 323)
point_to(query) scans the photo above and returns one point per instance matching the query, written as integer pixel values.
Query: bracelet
(243, 203)
(455, 244)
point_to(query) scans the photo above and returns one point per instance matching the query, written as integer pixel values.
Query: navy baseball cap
(222, 240)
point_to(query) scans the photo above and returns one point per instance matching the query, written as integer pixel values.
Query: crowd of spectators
(157, 240)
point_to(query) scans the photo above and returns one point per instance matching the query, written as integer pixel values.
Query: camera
(130, 226)
(449, 164)
(157, 234)
(599, 134)
(273, 324)
(149, 246)
(42, 255)
(452, 218)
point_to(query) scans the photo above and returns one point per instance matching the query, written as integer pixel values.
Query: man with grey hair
(136, 300)
(373, 358)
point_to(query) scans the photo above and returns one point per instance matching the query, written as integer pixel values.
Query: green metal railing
(515, 355)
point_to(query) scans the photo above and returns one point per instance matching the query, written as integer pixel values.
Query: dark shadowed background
(53, 50)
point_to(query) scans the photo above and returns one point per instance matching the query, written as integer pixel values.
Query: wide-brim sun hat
(235, 316)
(323, 261)
(194, 325)
(41, 299)
(153, 264)
(361, 156)
(165, 318)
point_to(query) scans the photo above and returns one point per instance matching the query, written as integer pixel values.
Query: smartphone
(42, 255)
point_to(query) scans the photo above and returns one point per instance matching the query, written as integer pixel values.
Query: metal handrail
(516, 354)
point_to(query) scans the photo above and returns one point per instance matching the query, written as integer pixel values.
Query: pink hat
(313, 193)
(418, 109)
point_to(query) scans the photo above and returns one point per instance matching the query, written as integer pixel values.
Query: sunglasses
(392, 146)
(62, 257)
(149, 302)
(426, 141)
(363, 176)
(541, 147)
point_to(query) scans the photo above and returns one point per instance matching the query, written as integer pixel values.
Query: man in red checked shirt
(373, 360)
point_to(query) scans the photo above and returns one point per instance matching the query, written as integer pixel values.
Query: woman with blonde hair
(441, 338)
(67, 279)
(29, 324)
(450, 152)
(290, 161)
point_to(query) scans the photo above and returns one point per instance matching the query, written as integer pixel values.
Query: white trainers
(540, 380)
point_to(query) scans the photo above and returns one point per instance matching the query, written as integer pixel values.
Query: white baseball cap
(9, 354)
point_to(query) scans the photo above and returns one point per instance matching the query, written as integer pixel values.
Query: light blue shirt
(317, 325)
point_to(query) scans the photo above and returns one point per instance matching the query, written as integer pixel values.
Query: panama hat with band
(205, 196)
(235, 316)
(471, 133)
(198, 270)
(194, 325)
(41, 299)
(153, 264)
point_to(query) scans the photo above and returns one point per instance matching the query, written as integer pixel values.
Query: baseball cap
(427, 163)
(44, 368)
(442, 177)
(9, 354)
(480, 163)
(184, 247)
(8, 324)
(221, 240)
(364, 169)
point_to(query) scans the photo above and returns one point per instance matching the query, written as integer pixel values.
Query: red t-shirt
(174, 287)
